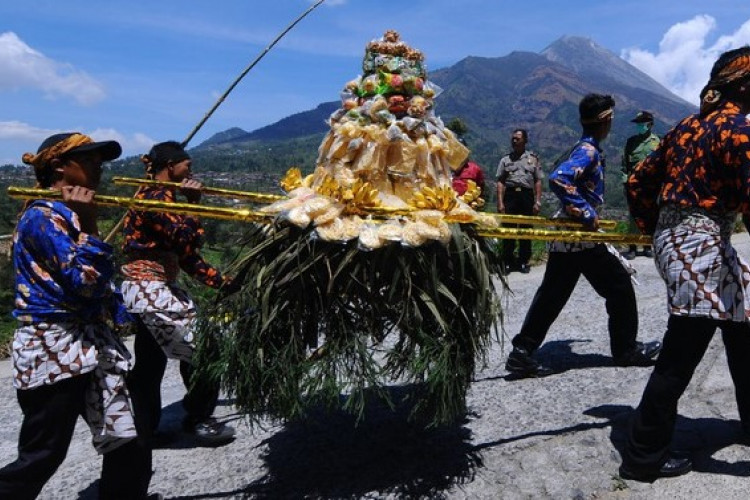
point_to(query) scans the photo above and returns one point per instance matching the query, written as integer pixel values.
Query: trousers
(50, 413)
(517, 203)
(609, 279)
(685, 342)
(199, 401)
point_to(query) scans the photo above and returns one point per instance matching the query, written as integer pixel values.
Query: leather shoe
(642, 355)
(673, 467)
(209, 432)
(524, 268)
(521, 365)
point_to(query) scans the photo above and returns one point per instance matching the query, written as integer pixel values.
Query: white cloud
(133, 144)
(28, 136)
(24, 67)
(15, 130)
(685, 57)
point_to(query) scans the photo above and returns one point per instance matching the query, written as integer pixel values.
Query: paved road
(556, 437)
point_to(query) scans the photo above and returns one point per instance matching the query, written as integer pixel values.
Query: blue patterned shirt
(62, 273)
(579, 181)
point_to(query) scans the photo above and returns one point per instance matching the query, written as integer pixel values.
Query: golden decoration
(473, 195)
(441, 198)
(292, 180)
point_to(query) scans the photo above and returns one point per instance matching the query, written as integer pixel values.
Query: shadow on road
(699, 438)
(330, 455)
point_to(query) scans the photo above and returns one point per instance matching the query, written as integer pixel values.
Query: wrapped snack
(334, 231)
(412, 236)
(298, 216)
(352, 227)
(462, 213)
(390, 231)
(428, 231)
(445, 233)
(431, 217)
(317, 205)
(282, 205)
(368, 237)
(331, 213)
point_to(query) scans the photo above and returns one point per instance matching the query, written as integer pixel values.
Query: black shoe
(629, 255)
(673, 467)
(525, 268)
(642, 355)
(209, 432)
(648, 253)
(522, 365)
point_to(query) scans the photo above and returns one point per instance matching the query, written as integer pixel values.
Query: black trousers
(685, 343)
(608, 278)
(49, 418)
(199, 401)
(517, 203)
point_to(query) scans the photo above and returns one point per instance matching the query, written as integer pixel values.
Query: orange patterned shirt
(156, 244)
(703, 162)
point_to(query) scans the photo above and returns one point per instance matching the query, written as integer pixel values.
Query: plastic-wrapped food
(390, 231)
(333, 231)
(445, 232)
(462, 213)
(317, 205)
(352, 227)
(368, 237)
(486, 220)
(331, 213)
(282, 205)
(430, 90)
(432, 217)
(418, 106)
(298, 216)
(412, 236)
(427, 230)
(369, 85)
(397, 104)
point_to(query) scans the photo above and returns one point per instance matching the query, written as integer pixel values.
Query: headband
(58, 149)
(601, 117)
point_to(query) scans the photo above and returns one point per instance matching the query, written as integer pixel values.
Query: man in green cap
(637, 148)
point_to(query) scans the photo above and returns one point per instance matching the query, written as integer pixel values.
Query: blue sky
(143, 72)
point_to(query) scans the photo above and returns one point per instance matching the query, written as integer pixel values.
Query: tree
(457, 126)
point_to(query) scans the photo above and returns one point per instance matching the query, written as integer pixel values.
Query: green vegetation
(7, 322)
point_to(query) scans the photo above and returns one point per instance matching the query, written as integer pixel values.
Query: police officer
(637, 148)
(519, 192)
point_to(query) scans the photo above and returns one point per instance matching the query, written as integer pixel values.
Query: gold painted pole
(213, 212)
(531, 220)
(247, 215)
(534, 220)
(209, 191)
(567, 236)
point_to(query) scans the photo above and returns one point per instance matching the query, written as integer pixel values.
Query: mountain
(226, 136)
(493, 95)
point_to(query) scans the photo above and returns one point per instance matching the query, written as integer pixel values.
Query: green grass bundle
(319, 324)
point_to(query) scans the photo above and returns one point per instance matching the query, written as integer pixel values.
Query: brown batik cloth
(168, 313)
(46, 353)
(705, 276)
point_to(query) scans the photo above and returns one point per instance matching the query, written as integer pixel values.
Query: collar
(590, 139)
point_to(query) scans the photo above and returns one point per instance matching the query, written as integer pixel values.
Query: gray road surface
(556, 437)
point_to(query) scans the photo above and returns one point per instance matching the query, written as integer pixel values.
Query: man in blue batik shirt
(579, 184)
